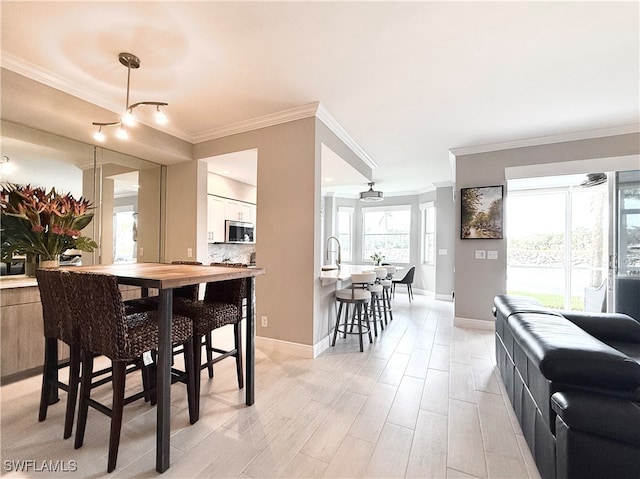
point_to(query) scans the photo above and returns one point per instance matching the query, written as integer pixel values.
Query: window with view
(345, 231)
(428, 213)
(387, 231)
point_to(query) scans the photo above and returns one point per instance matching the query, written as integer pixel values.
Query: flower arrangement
(35, 222)
(377, 258)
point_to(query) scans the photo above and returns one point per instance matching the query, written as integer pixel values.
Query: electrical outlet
(141, 251)
(189, 253)
(264, 321)
(492, 254)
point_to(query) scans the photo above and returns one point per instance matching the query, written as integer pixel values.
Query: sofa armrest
(606, 326)
(606, 416)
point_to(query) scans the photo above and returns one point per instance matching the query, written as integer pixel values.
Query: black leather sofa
(573, 379)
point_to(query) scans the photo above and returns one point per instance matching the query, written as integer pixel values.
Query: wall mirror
(126, 191)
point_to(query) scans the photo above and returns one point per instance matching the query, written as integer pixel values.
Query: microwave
(239, 232)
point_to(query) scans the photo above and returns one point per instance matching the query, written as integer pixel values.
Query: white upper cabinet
(236, 210)
(215, 219)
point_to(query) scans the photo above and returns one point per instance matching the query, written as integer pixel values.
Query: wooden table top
(167, 275)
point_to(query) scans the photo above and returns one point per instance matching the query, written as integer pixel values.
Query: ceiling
(408, 81)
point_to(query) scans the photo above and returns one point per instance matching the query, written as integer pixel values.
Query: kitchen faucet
(339, 259)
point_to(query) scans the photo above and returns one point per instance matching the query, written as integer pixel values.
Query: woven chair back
(56, 313)
(231, 292)
(96, 304)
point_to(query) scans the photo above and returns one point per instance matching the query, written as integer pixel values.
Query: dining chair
(97, 307)
(408, 280)
(58, 326)
(221, 306)
(149, 303)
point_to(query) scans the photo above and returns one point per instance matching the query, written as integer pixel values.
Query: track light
(128, 118)
(130, 61)
(98, 135)
(161, 118)
(122, 133)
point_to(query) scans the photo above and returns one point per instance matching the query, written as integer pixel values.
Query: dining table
(165, 277)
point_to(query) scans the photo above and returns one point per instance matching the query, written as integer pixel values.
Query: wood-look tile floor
(424, 400)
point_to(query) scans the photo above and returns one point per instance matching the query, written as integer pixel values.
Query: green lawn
(555, 301)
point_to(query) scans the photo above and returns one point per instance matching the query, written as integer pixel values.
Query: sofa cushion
(606, 327)
(607, 416)
(565, 353)
(507, 304)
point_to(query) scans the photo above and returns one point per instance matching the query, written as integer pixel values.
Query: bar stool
(360, 298)
(377, 292)
(387, 285)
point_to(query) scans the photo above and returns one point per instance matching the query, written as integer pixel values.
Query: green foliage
(554, 301)
(35, 222)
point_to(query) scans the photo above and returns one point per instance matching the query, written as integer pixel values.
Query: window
(556, 243)
(387, 231)
(428, 214)
(345, 231)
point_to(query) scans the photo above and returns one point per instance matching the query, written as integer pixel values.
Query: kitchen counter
(343, 273)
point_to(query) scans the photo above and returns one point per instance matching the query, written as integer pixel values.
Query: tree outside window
(387, 231)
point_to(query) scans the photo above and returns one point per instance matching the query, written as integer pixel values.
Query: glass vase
(49, 263)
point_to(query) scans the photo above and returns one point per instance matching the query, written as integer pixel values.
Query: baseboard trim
(287, 347)
(444, 297)
(474, 323)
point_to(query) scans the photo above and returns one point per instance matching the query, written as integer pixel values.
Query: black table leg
(165, 308)
(250, 342)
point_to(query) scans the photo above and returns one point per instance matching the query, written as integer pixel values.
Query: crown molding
(272, 119)
(315, 109)
(29, 70)
(545, 140)
(325, 117)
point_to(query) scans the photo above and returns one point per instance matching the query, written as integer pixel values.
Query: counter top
(17, 281)
(345, 272)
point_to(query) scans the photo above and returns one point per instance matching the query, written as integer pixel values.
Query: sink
(329, 267)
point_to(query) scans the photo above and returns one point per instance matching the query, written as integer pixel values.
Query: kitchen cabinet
(236, 210)
(216, 214)
(220, 209)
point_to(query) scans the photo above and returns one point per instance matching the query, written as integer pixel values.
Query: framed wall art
(481, 213)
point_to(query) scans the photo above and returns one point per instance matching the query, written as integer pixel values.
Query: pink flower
(37, 228)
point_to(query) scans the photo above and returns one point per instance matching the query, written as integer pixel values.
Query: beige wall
(186, 212)
(286, 219)
(478, 281)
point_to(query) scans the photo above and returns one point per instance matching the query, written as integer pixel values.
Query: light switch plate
(442, 252)
(492, 254)
(481, 254)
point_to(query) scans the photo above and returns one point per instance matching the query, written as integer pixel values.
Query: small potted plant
(37, 223)
(377, 258)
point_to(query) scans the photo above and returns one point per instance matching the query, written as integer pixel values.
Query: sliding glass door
(625, 262)
(557, 242)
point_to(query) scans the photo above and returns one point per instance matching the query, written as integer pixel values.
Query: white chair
(360, 298)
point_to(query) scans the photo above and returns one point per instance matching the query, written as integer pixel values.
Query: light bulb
(98, 135)
(122, 134)
(128, 118)
(161, 118)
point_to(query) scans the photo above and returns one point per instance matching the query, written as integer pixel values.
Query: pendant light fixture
(371, 195)
(130, 61)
